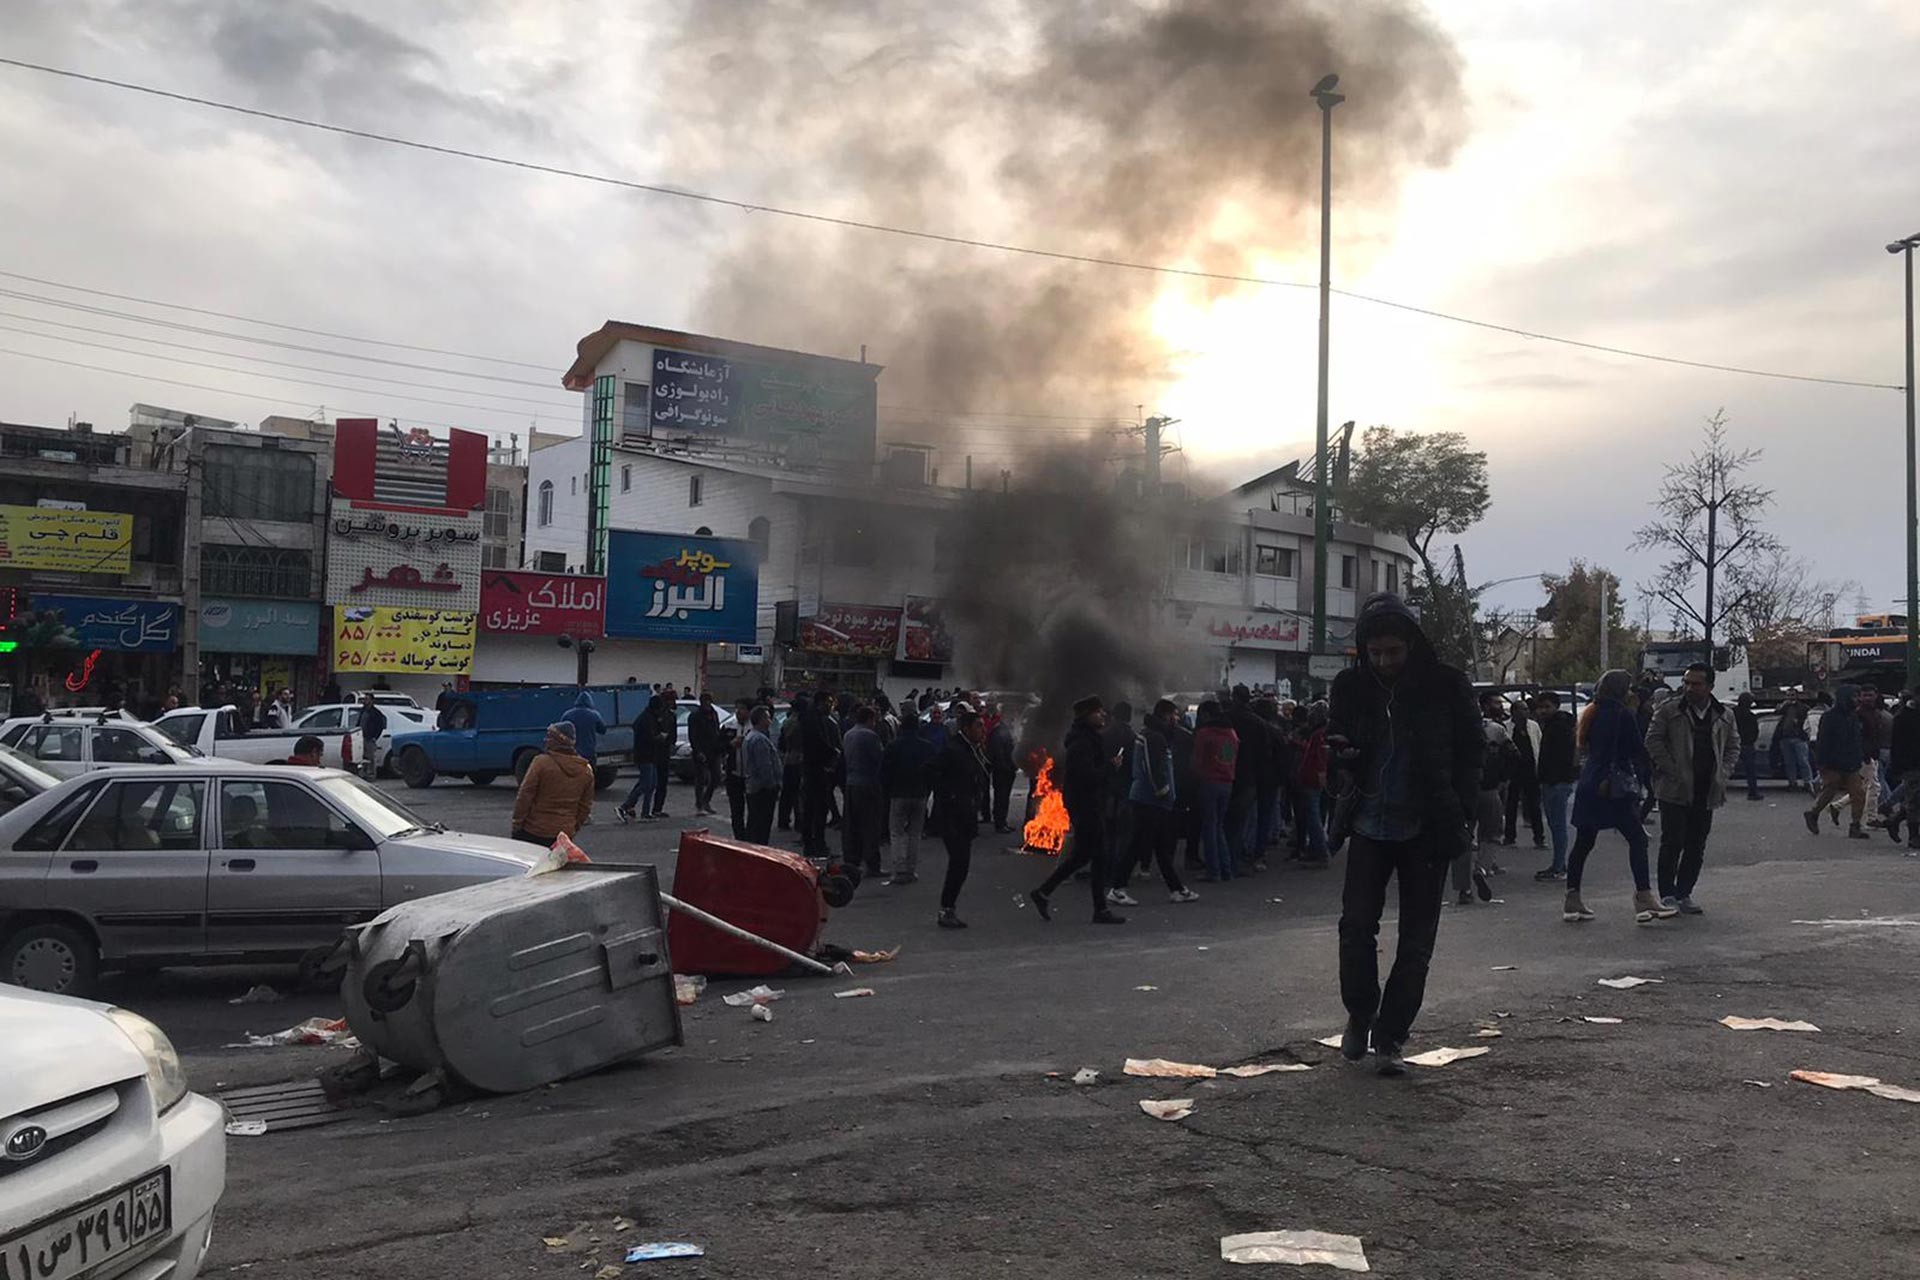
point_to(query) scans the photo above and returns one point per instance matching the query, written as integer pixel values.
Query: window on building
(626, 478)
(1393, 578)
(278, 572)
(1276, 562)
(258, 484)
(545, 516)
(695, 490)
(760, 534)
(1373, 575)
(499, 519)
(551, 562)
(1213, 555)
(1349, 571)
(494, 555)
(633, 410)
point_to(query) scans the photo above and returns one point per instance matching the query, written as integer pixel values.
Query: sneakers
(1550, 873)
(1041, 904)
(1481, 885)
(1388, 1061)
(1183, 895)
(1108, 917)
(1688, 907)
(1574, 911)
(1647, 907)
(623, 815)
(1893, 826)
(1121, 898)
(948, 920)
(1353, 1041)
(1813, 821)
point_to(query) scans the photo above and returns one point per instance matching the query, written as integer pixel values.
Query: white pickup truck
(220, 731)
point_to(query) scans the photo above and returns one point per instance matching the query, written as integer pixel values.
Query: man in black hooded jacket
(1406, 733)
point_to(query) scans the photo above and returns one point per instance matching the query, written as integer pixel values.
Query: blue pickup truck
(488, 732)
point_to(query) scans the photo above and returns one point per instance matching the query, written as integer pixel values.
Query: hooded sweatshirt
(556, 796)
(1839, 746)
(587, 725)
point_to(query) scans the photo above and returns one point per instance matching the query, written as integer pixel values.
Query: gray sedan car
(213, 862)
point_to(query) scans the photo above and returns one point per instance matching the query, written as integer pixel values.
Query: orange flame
(1047, 833)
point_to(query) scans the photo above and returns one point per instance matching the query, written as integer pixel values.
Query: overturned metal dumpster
(516, 983)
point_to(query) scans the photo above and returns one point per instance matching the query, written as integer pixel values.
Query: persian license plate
(75, 1241)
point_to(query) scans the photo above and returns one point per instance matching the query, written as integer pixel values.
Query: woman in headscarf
(1608, 795)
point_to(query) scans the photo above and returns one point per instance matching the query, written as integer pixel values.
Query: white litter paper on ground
(1146, 988)
(1167, 1108)
(1765, 1024)
(246, 1128)
(1441, 1057)
(1605, 1022)
(762, 994)
(1300, 1248)
(1263, 1069)
(1332, 1042)
(1160, 1068)
(853, 993)
(1489, 1033)
(1085, 1075)
(1870, 1084)
(1624, 984)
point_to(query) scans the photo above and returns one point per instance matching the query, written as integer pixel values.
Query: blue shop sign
(678, 587)
(260, 627)
(121, 626)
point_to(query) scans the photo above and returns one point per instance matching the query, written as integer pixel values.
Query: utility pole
(1604, 629)
(1325, 97)
(1905, 248)
(1153, 454)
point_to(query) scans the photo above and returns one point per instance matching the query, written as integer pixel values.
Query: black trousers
(1683, 846)
(789, 794)
(1524, 789)
(1186, 827)
(703, 780)
(737, 806)
(816, 792)
(1154, 835)
(1370, 864)
(1089, 838)
(760, 806)
(958, 837)
(660, 787)
(860, 833)
(1002, 796)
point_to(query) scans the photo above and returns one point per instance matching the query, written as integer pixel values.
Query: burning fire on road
(1047, 832)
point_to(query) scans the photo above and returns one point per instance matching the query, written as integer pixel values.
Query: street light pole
(1905, 248)
(1327, 99)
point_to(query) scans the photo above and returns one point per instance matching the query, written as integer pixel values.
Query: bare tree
(1709, 520)
(1783, 606)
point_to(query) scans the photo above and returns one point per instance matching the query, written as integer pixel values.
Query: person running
(1841, 755)
(1796, 752)
(1690, 743)
(556, 797)
(1216, 751)
(1083, 773)
(1746, 725)
(1151, 792)
(1608, 796)
(1404, 728)
(1523, 788)
(906, 774)
(760, 775)
(959, 783)
(1558, 768)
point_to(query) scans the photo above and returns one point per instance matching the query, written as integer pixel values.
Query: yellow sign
(420, 641)
(65, 541)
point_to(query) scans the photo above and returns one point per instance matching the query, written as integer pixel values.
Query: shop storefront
(843, 646)
(105, 650)
(262, 646)
(1255, 647)
(413, 651)
(669, 596)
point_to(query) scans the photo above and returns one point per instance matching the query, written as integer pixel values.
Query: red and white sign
(542, 604)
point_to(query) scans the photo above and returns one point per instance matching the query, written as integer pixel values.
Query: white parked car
(108, 1165)
(219, 731)
(68, 745)
(213, 862)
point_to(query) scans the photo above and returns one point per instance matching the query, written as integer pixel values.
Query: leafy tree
(1573, 607)
(36, 633)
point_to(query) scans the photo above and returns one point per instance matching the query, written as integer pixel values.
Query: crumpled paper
(1489, 1033)
(853, 993)
(1160, 1068)
(1085, 1075)
(332, 1031)
(1301, 1248)
(1605, 1022)
(1624, 984)
(1332, 1042)
(875, 957)
(261, 994)
(1263, 1069)
(1765, 1024)
(687, 989)
(761, 994)
(1167, 1108)
(1441, 1057)
(1871, 1084)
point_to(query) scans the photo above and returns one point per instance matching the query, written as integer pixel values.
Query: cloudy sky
(1712, 182)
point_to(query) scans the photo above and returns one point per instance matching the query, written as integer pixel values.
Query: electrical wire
(747, 206)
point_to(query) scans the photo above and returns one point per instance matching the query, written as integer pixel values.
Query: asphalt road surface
(919, 1132)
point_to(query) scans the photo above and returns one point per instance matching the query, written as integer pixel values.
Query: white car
(68, 745)
(108, 1165)
(219, 731)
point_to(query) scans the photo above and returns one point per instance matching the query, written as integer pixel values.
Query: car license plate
(75, 1241)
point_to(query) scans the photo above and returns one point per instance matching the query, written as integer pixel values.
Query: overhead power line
(855, 224)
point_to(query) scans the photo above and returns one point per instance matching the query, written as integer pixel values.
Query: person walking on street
(1084, 777)
(1000, 748)
(1903, 764)
(1841, 755)
(760, 775)
(1471, 868)
(556, 797)
(703, 735)
(735, 772)
(1185, 816)
(906, 774)
(791, 758)
(1746, 727)
(1312, 784)
(866, 810)
(1691, 745)
(1876, 727)
(1150, 791)
(1216, 754)
(653, 733)
(667, 737)
(959, 784)
(1796, 752)
(1608, 796)
(1250, 765)
(1404, 727)
(820, 749)
(587, 726)
(1523, 788)
(1558, 767)
(373, 725)
(1118, 743)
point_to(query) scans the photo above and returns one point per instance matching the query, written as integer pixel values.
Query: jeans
(1266, 820)
(1797, 755)
(860, 832)
(1636, 838)
(1370, 864)
(640, 798)
(909, 818)
(1240, 825)
(1556, 798)
(789, 794)
(1089, 836)
(1523, 791)
(1489, 812)
(1316, 830)
(816, 796)
(1683, 846)
(760, 806)
(1214, 798)
(1153, 840)
(1748, 767)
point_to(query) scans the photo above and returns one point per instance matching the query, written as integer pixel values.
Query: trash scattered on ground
(853, 993)
(246, 1128)
(1167, 1108)
(1085, 1075)
(1504, 968)
(1299, 1248)
(1834, 1080)
(1160, 1068)
(612, 1271)
(1603, 1021)
(1489, 1033)
(1759, 1084)
(665, 1249)
(761, 994)
(1765, 1024)
(1442, 1056)
(623, 1224)
(1893, 1091)
(1146, 988)
(687, 989)
(555, 1242)
(1501, 1013)
(261, 994)
(875, 957)
(1203, 948)
(1263, 1069)
(313, 1031)
(1626, 984)
(762, 1014)
(1276, 899)
(1332, 1042)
